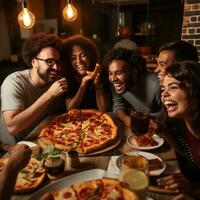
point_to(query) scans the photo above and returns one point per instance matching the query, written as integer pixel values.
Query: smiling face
(165, 58)
(47, 73)
(174, 98)
(118, 75)
(79, 60)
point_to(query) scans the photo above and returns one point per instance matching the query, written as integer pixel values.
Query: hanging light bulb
(70, 12)
(26, 18)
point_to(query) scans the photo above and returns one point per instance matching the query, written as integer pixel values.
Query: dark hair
(182, 50)
(188, 73)
(33, 45)
(132, 59)
(88, 46)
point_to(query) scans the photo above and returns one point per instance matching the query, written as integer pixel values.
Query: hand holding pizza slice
(95, 72)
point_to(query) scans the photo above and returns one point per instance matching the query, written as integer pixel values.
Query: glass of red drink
(139, 123)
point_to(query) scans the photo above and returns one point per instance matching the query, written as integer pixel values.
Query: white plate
(69, 180)
(156, 137)
(150, 156)
(30, 144)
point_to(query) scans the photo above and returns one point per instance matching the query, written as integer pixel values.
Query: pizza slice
(89, 117)
(65, 193)
(29, 177)
(104, 189)
(95, 72)
(112, 189)
(67, 140)
(89, 190)
(145, 140)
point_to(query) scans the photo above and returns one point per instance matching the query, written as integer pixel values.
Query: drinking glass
(134, 172)
(139, 124)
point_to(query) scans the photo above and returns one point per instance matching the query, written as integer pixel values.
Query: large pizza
(29, 177)
(84, 131)
(99, 189)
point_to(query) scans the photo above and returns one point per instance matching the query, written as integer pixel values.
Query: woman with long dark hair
(180, 124)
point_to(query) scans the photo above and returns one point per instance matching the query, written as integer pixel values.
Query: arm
(18, 159)
(103, 101)
(123, 116)
(77, 99)
(18, 120)
(180, 183)
(119, 108)
(136, 103)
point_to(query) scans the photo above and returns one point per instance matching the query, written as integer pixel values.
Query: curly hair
(33, 45)
(88, 46)
(188, 73)
(132, 59)
(182, 50)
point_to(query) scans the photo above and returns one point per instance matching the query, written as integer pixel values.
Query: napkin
(113, 170)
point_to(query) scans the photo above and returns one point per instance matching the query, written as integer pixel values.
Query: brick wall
(191, 23)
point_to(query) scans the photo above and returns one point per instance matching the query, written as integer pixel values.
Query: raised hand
(58, 87)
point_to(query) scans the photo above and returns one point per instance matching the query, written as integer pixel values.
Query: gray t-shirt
(147, 93)
(18, 92)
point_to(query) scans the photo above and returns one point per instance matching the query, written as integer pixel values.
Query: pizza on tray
(84, 131)
(29, 177)
(103, 189)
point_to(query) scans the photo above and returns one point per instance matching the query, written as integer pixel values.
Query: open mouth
(81, 67)
(161, 77)
(118, 86)
(171, 105)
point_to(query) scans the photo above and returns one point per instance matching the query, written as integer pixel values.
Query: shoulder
(15, 79)
(151, 77)
(17, 75)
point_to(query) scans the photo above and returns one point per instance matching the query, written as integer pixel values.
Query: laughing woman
(181, 118)
(85, 90)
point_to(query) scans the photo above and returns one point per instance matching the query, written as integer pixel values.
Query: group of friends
(57, 81)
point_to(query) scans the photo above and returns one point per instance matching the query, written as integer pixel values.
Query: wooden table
(165, 152)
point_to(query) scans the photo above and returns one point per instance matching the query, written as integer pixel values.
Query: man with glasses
(30, 95)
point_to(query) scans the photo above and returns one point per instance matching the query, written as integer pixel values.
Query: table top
(102, 161)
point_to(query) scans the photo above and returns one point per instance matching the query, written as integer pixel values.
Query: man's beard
(44, 76)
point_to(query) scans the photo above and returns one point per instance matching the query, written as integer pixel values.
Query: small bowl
(54, 165)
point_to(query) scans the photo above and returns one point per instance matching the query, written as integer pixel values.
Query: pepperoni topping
(92, 119)
(103, 138)
(70, 140)
(61, 126)
(67, 195)
(88, 142)
(86, 192)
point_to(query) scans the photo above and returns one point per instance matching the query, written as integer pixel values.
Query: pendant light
(26, 18)
(70, 12)
(118, 20)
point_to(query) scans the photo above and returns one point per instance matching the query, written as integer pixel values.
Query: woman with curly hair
(180, 124)
(85, 90)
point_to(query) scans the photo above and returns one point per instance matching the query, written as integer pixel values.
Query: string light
(70, 12)
(26, 18)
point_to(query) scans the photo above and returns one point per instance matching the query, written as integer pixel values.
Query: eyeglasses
(50, 61)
